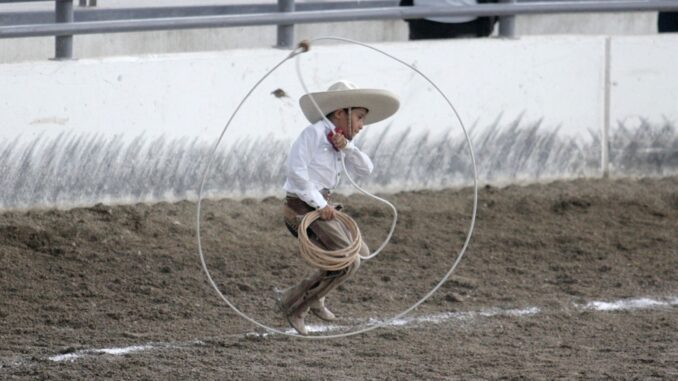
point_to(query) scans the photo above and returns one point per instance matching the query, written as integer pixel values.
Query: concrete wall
(132, 129)
(644, 105)
(92, 46)
(637, 23)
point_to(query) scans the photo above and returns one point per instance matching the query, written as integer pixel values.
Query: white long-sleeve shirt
(313, 164)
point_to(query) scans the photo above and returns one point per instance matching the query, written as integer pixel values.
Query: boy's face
(358, 115)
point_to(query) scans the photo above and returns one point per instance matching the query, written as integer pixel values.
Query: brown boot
(296, 320)
(294, 297)
(318, 308)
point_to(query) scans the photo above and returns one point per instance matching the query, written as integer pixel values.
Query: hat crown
(342, 86)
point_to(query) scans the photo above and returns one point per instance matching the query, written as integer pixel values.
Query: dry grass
(83, 169)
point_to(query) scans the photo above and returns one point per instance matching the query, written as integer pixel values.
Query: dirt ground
(84, 279)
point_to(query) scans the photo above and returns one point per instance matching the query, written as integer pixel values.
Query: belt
(326, 193)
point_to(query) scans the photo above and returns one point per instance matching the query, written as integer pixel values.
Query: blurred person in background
(449, 27)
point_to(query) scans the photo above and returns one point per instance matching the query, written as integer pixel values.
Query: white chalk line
(616, 305)
(108, 351)
(428, 319)
(643, 303)
(120, 351)
(631, 304)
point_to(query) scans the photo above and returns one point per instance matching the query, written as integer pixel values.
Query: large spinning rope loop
(329, 260)
(302, 48)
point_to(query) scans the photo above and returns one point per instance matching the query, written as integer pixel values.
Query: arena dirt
(105, 277)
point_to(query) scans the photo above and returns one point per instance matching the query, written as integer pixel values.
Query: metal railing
(288, 14)
(99, 13)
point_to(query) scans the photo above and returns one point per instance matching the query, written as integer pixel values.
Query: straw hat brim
(380, 104)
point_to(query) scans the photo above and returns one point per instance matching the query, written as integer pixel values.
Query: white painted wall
(557, 79)
(645, 79)
(554, 82)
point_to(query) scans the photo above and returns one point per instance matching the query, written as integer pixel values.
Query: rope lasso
(302, 48)
(329, 260)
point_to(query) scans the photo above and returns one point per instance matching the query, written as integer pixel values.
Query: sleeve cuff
(315, 199)
(322, 205)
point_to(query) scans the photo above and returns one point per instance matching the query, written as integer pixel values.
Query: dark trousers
(427, 29)
(667, 22)
(330, 235)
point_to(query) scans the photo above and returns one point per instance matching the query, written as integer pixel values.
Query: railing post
(285, 32)
(63, 45)
(507, 24)
(605, 132)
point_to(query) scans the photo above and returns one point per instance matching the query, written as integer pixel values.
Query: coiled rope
(329, 260)
(369, 326)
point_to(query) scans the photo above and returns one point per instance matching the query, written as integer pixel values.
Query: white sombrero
(380, 103)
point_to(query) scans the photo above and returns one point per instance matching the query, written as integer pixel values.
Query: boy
(313, 170)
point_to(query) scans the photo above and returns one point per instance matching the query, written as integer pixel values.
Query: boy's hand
(339, 141)
(327, 213)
